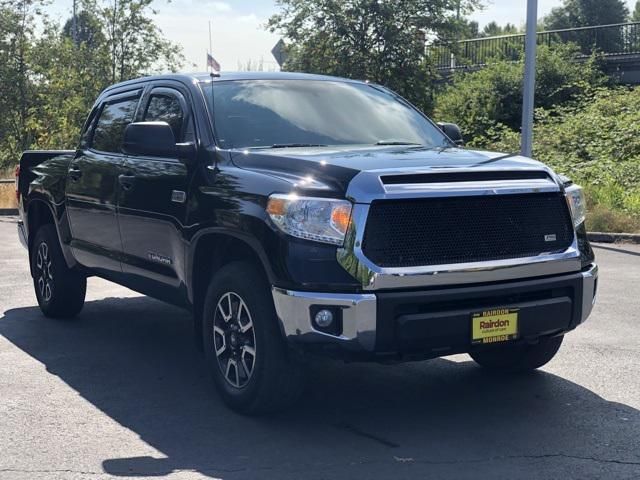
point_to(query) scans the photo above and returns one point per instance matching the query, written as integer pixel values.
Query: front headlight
(320, 219)
(577, 204)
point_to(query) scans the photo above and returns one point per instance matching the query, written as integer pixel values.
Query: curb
(600, 237)
(8, 211)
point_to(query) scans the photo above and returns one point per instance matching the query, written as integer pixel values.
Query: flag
(212, 63)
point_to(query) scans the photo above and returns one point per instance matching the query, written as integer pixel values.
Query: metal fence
(608, 40)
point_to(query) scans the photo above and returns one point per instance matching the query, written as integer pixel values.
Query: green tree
(88, 30)
(48, 82)
(636, 12)
(586, 13)
(492, 29)
(377, 40)
(63, 67)
(136, 45)
(17, 27)
(467, 29)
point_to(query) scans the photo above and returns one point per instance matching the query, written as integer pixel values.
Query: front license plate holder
(495, 325)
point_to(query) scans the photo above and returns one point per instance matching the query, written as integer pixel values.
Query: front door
(92, 185)
(153, 205)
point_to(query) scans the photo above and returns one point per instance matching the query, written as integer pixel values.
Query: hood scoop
(374, 185)
(459, 177)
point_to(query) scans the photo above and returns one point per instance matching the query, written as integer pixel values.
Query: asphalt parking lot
(121, 392)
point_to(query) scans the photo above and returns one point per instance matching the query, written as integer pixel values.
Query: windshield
(289, 113)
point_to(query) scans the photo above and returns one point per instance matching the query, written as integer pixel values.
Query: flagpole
(210, 43)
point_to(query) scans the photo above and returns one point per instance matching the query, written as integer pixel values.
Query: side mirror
(155, 139)
(452, 131)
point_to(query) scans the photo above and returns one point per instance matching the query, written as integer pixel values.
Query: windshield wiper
(286, 145)
(395, 142)
(295, 145)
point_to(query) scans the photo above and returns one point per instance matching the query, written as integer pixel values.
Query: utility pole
(74, 23)
(114, 51)
(529, 86)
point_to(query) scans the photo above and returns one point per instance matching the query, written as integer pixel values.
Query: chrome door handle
(126, 181)
(75, 174)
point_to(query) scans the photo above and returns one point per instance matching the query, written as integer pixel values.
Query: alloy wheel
(234, 339)
(44, 272)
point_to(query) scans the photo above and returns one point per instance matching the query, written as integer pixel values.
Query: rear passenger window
(114, 118)
(166, 108)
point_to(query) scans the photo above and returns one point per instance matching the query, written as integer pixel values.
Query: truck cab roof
(189, 78)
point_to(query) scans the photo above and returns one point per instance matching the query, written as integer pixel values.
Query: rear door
(153, 205)
(92, 184)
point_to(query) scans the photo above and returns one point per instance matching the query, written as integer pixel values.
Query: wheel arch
(212, 249)
(39, 213)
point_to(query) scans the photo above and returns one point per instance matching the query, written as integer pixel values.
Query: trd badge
(154, 257)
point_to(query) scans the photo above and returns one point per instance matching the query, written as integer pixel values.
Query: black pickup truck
(297, 215)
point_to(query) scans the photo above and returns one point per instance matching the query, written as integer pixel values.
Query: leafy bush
(596, 142)
(481, 100)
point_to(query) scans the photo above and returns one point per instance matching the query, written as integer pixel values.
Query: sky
(238, 29)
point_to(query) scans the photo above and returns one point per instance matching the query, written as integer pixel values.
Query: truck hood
(333, 168)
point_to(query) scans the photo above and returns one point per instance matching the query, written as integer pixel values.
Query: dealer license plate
(494, 326)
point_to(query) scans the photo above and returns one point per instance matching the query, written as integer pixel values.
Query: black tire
(60, 291)
(269, 381)
(518, 358)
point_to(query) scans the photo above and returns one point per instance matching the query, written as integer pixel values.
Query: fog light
(324, 318)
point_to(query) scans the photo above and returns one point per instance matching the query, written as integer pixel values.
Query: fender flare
(66, 251)
(251, 242)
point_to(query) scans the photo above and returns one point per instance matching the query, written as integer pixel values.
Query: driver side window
(164, 107)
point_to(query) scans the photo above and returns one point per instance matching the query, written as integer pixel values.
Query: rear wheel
(246, 354)
(60, 291)
(518, 358)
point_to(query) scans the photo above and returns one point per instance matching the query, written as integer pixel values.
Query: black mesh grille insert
(438, 231)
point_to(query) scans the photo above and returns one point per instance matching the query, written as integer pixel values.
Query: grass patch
(601, 218)
(7, 195)
(613, 208)
(7, 173)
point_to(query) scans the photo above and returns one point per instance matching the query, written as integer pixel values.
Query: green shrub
(596, 142)
(482, 100)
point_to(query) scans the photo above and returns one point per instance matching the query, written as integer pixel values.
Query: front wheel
(518, 358)
(60, 291)
(248, 359)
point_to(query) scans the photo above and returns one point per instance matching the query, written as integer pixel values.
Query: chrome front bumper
(22, 235)
(589, 291)
(359, 314)
(358, 317)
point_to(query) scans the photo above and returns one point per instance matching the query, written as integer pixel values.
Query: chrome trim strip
(589, 292)
(358, 317)
(458, 189)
